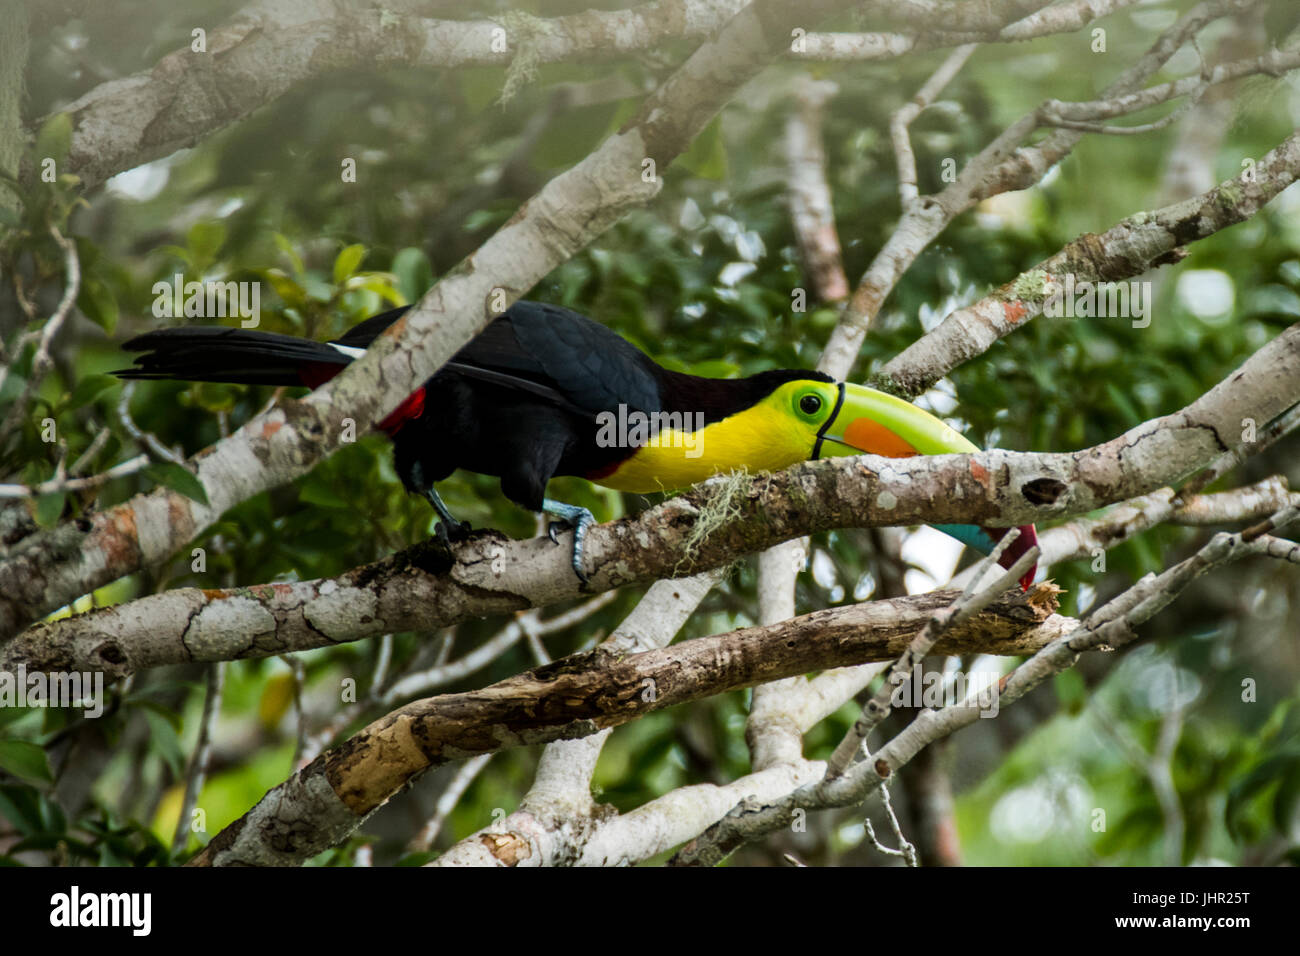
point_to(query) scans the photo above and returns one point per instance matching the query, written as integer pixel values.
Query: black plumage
(519, 401)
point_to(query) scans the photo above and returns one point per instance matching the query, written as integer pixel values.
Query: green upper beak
(866, 420)
(881, 424)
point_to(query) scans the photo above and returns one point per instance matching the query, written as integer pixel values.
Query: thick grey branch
(49, 569)
(584, 693)
(423, 588)
(1129, 248)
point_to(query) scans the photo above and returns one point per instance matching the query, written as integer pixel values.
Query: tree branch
(423, 588)
(50, 569)
(587, 692)
(1002, 166)
(558, 817)
(272, 46)
(1109, 627)
(1129, 248)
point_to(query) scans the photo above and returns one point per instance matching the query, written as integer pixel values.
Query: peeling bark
(587, 692)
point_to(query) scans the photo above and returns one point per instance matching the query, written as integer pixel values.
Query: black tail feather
(235, 356)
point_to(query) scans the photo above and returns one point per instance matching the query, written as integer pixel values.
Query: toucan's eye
(810, 404)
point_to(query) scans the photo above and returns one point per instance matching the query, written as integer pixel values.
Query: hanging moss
(523, 33)
(721, 506)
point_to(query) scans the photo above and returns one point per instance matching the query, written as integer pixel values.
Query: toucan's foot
(448, 529)
(576, 517)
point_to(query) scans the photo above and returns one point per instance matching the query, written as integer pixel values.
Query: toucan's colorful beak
(866, 420)
(881, 424)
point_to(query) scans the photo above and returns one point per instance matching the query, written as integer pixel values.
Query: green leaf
(214, 397)
(1287, 798)
(418, 859)
(707, 156)
(1071, 691)
(285, 246)
(482, 219)
(10, 714)
(205, 240)
(413, 271)
(716, 368)
(98, 303)
(318, 493)
(378, 283)
(346, 262)
(49, 508)
(180, 252)
(179, 479)
(55, 138)
(317, 288)
(1131, 416)
(1243, 813)
(168, 743)
(25, 760)
(20, 805)
(286, 288)
(89, 388)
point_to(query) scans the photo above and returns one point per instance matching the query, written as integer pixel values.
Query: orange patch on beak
(876, 439)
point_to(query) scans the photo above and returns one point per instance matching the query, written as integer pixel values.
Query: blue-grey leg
(449, 528)
(576, 517)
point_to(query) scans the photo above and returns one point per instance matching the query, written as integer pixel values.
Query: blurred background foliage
(703, 280)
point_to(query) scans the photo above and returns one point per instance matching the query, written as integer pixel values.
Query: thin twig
(299, 677)
(1109, 627)
(967, 605)
(63, 483)
(41, 361)
(148, 441)
(202, 754)
(442, 674)
(447, 801)
(906, 849)
(903, 117)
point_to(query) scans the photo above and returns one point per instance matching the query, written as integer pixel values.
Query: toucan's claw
(447, 532)
(579, 519)
(448, 529)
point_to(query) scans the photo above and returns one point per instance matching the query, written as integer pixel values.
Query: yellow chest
(759, 439)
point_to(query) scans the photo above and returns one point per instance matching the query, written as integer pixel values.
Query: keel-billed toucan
(544, 391)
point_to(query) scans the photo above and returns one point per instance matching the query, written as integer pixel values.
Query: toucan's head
(838, 418)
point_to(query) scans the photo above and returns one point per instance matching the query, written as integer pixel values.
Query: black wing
(549, 351)
(594, 367)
